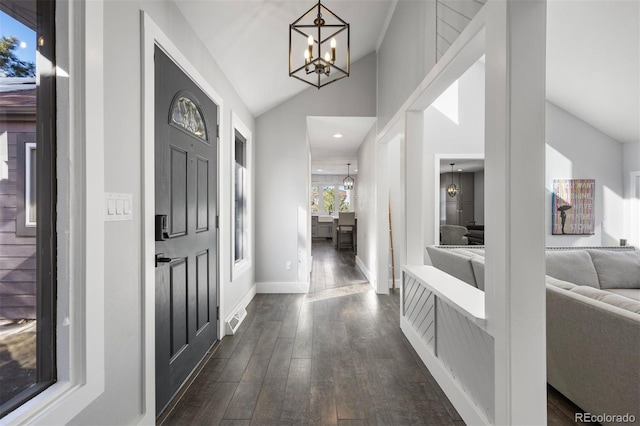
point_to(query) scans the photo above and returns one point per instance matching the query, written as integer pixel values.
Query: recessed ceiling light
(319, 170)
(337, 135)
(459, 170)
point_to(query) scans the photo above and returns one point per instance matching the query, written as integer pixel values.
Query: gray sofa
(593, 321)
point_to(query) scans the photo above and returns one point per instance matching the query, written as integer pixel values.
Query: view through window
(27, 153)
(240, 198)
(328, 199)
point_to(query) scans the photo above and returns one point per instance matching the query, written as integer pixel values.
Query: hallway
(335, 356)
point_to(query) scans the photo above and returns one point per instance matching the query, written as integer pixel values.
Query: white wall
(122, 400)
(575, 150)
(283, 167)
(631, 164)
(366, 257)
(406, 55)
(458, 136)
(630, 161)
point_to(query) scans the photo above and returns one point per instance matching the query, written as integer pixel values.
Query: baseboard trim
(282, 288)
(468, 410)
(363, 268)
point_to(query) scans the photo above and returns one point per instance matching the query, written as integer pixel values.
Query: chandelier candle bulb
(333, 50)
(310, 43)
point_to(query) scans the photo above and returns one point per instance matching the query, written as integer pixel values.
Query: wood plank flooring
(335, 356)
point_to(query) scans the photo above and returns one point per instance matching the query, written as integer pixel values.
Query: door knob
(161, 259)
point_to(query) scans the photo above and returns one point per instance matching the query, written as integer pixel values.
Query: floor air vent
(235, 320)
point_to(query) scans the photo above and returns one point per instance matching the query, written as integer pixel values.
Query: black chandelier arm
(339, 69)
(334, 34)
(306, 81)
(304, 15)
(316, 26)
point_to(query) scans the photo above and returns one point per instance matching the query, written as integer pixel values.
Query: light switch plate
(117, 206)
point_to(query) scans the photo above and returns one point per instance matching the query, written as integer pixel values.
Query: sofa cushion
(631, 293)
(574, 266)
(617, 269)
(559, 283)
(453, 263)
(608, 298)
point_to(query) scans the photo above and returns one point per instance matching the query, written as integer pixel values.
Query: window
(327, 199)
(28, 259)
(241, 215)
(186, 116)
(315, 200)
(26, 185)
(240, 200)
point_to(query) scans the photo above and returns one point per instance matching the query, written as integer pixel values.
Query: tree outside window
(334, 199)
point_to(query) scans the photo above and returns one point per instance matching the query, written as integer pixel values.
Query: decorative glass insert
(186, 115)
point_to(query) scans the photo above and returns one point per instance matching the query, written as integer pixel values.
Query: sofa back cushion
(574, 266)
(565, 285)
(609, 298)
(453, 263)
(617, 269)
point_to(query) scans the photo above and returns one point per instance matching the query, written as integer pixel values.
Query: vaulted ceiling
(593, 54)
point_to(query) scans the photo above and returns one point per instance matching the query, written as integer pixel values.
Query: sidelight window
(241, 189)
(27, 198)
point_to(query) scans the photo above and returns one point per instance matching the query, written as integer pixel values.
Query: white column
(515, 191)
(382, 221)
(415, 187)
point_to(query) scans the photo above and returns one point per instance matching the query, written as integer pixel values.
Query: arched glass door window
(186, 115)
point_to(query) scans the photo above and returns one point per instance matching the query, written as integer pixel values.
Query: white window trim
(241, 266)
(80, 258)
(28, 147)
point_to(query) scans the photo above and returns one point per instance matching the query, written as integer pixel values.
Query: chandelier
(452, 189)
(348, 181)
(309, 37)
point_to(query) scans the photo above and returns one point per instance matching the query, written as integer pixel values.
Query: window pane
(328, 197)
(30, 186)
(18, 255)
(186, 115)
(27, 259)
(240, 197)
(315, 199)
(345, 199)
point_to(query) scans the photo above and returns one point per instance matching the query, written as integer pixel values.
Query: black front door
(186, 235)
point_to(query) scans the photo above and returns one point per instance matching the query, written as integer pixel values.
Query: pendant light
(452, 189)
(348, 181)
(319, 47)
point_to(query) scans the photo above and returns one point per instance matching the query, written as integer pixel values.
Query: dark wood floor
(335, 356)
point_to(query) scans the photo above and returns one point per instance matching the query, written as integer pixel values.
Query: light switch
(118, 206)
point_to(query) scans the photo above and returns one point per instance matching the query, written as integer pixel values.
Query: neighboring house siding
(17, 251)
(453, 18)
